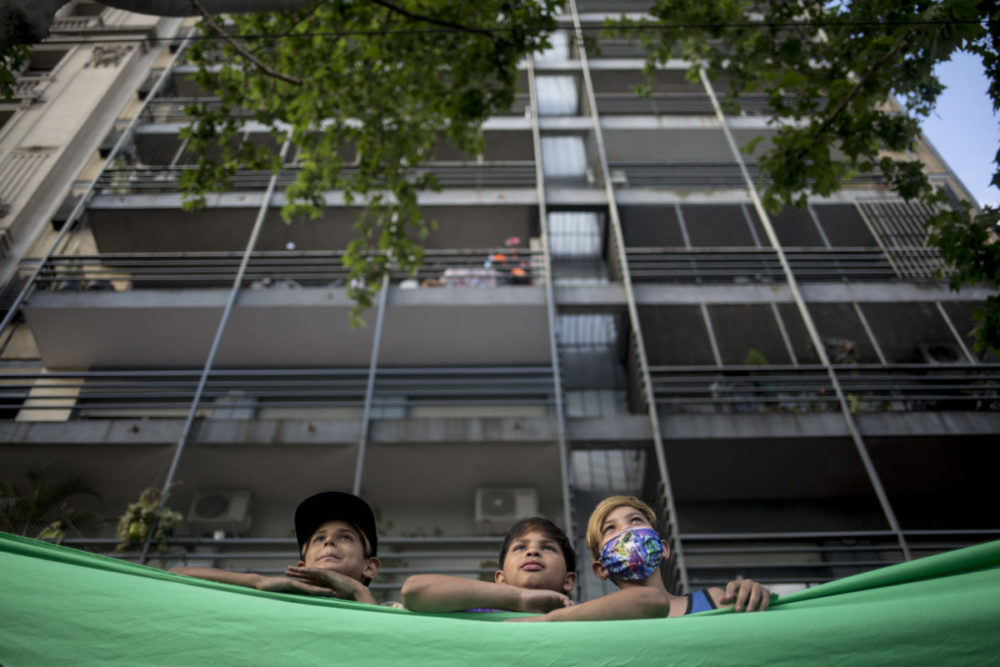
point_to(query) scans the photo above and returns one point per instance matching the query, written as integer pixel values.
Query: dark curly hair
(546, 528)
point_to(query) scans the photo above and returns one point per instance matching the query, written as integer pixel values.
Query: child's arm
(632, 602)
(438, 592)
(253, 580)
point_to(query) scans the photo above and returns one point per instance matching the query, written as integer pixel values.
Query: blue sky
(963, 128)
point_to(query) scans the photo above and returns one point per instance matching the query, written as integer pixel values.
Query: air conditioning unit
(941, 353)
(497, 508)
(220, 509)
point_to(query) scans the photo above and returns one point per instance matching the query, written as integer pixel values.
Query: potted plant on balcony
(46, 509)
(145, 515)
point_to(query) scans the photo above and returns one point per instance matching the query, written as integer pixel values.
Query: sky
(964, 129)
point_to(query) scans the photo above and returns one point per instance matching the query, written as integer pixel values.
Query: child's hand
(541, 601)
(747, 594)
(288, 585)
(336, 584)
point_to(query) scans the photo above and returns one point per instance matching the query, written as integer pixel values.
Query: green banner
(63, 606)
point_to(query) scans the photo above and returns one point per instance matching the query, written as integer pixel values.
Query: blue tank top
(699, 601)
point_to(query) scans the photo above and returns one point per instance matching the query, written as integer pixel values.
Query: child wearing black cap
(337, 549)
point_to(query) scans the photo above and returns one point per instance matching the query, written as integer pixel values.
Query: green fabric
(62, 606)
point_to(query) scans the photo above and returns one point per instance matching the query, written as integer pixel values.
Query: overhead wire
(501, 30)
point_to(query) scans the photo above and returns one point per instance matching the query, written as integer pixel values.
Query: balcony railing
(698, 175)
(810, 558)
(804, 558)
(276, 269)
(741, 264)
(162, 180)
(615, 7)
(171, 109)
(672, 103)
(801, 389)
(261, 394)
(400, 556)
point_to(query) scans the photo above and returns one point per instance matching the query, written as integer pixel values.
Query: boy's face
(536, 561)
(619, 519)
(339, 546)
(616, 521)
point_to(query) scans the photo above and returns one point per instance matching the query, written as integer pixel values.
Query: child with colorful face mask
(628, 550)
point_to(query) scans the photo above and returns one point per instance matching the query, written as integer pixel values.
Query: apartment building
(603, 309)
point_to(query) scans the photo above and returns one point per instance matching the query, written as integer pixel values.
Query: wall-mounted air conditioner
(220, 509)
(941, 353)
(497, 508)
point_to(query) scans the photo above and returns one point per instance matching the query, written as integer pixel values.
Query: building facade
(604, 308)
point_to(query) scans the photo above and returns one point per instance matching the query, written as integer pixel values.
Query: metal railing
(274, 269)
(810, 558)
(615, 7)
(722, 264)
(163, 180)
(672, 103)
(244, 394)
(869, 388)
(699, 175)
(400, 556)
(170, 109)
(804, 558)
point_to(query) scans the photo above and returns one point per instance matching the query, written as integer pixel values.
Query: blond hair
(601, 512)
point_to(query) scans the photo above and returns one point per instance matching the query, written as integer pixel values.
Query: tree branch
(433, 21)
(241, 49)
(889, 55)
(312, 12)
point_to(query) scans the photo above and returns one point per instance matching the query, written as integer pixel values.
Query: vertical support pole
(550, 307)
(370, 387)
(633, 313)
(814, 336)
(214, 349)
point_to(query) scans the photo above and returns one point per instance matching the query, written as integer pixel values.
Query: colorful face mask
(633, 554)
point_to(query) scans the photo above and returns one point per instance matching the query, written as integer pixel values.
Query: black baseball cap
(316, 510)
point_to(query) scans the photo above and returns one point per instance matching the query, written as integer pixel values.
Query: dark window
(651, 226)
(742, 328)
(43, 60)
(844, 226)
(675, 336)
(717, 225)
(960, 314)
(909, 332)
(795, 228)
(836, 321)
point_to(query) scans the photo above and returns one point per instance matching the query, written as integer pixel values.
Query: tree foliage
(828, 71)
(389, 81)
(12, 59)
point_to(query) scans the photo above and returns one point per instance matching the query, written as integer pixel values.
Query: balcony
(271, 394)
(802, 390)
(699, 175)
(807, 559)
(743, 265)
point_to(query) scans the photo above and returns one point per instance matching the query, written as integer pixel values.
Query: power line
(539, 29)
